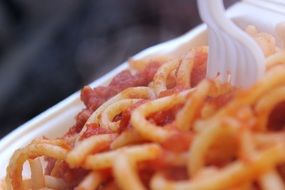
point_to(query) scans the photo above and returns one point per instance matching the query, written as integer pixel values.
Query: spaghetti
(164, 126)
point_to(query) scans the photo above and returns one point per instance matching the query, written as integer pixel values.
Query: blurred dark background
(51, 48)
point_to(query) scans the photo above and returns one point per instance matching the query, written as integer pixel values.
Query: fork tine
(222, 51)
(234, 65)
(211, 68)
(240, 66)
(231, 56)
(224, 37)
(250, 69)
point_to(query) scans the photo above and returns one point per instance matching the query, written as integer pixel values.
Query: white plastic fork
(233, 55)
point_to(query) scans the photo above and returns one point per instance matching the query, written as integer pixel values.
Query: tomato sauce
(50, 165)
(199, 68)
(276, 120)
(94, 129)
(95, 97)
(221, 100)
(171, 91)
(165, 117)
(125, 116)
(71, 176)
(146, 169)
(179, 142)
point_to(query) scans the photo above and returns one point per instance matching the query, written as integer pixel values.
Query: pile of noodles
(162, 125)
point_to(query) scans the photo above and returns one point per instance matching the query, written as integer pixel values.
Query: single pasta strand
(127, 137)
(193, 105)
(37, 174)
(91, 181)
(183, 78)
(266, 104)
(271, 181)
(27, 184)
(124, 166)
(147, 129)
(95, 143)
(186, 67)
(125, 174)
(113, 110)
(247, 145)
(160, 78)
(106, 159)
(55, 183)
(200, 146)
(275, 59)
(265, 139)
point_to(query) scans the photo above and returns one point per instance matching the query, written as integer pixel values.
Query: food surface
(162, 125)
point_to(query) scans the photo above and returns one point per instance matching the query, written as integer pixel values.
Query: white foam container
(56, 120)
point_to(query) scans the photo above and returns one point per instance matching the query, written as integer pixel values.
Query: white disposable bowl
(56, 120)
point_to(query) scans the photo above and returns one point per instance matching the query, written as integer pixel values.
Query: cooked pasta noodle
(164, 126)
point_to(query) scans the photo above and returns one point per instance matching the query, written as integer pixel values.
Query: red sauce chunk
(199, 69)
(94, 129)
(171, 91)
(276, 120)
(95, 97)
(165, 117)
(221, 100)
(50, 165)
(81, 119)
(179, 142)
(69, 175)
(125, 116)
